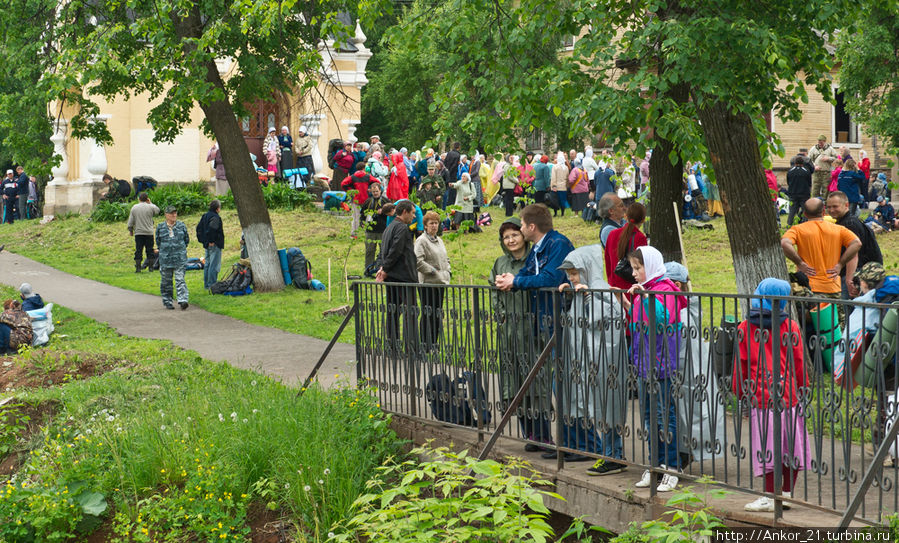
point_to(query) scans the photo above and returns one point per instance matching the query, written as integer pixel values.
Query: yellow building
(331, 111)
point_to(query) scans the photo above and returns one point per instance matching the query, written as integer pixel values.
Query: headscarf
(761, 309)
(588, 151)
(579, 157)
(514, 159)
(285, 128)
(560, 158)
(863, 154)
(653, 263)
(376, 155)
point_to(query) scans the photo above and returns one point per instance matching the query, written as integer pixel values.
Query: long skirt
(794, 444)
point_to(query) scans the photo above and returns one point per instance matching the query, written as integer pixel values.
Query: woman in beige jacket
(558, 182)
(434, 269)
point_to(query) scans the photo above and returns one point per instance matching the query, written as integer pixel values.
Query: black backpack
(300, 268)
(451, 400)
(240, 278)
(201, 229)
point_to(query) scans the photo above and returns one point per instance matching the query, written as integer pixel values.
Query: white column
(96, 162)
(60, 172)
(312, 122)
(351, 127)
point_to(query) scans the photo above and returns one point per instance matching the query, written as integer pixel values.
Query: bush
(111, 211)
(281, 196)
(192, 198)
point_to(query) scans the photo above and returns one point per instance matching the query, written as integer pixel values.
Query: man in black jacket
(838, 208)
(22, 196)
(9, 189)
(213, 241)
(799, 187)
(398, 265)
(451, 163)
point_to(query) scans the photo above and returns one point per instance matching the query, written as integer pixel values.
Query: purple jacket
(667, 313)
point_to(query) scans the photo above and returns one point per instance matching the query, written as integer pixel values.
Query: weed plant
(176, 448)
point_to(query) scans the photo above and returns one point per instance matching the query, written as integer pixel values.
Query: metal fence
(726, 386)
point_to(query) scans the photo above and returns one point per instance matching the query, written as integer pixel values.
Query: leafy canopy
(79, 53)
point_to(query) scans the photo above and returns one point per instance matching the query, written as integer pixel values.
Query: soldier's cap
(872, 273)
(171, 209)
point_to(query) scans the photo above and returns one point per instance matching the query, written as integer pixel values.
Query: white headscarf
(653, 263)
(588, 151)
(560, 158)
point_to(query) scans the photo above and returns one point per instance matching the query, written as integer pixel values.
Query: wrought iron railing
(821, 402)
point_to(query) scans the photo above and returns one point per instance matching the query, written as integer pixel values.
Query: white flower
(255, 411)
(88, 431)
(245, 421)
(286, 485)
(253, 382)
(233, 416)
(307, 488)
(330, 535)
(189, 419)
(118, 429)
(161, 414)
(327, 471)
(221, 418)
(321, 482)
(162, 427)
(110, 418)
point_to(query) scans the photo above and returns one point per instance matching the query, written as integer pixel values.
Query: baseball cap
(171, 209)
(676, 272)
(871, 272)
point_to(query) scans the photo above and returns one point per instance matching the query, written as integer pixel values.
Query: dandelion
(255, 411)
(245, 421)
(88, 431)
(162, 427)
(327, 471)
(233, 416)
(189, 419)
(221, 418)
(110, 418)
(321, 482)
(118, 429)
(253, 382)
(330, 535)
(307, 488)
(286, 486)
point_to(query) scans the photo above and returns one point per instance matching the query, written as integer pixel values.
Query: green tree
(868, 74)
(109, 49)
(643, 74)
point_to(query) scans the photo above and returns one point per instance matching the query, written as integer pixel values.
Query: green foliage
(190, 198)
(450, 497)
(870, 62)
(281, 196)
(179, 447)
(12, 422)
(690, 519)
(106, 211)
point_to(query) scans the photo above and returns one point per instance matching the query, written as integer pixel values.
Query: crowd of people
(19, 194)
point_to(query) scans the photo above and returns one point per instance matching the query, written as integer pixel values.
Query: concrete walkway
(273, 352)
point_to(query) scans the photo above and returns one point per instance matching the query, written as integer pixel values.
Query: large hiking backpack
(451, 400)
(300, 268)
(143, 183)
(237, 283)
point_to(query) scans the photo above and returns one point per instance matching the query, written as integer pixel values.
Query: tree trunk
(667, 182)
(251, 209)
(752, 226)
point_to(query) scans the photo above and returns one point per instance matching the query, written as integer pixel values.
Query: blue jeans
(666, 421)
(610, 444)
(212, 266)
(578, 436)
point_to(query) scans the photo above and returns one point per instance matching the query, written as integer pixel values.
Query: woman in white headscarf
(589, 163)
(594, 354)
(558, 183)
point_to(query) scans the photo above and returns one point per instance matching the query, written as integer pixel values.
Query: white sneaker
(644, 480)
(668, 483)
(762, 505)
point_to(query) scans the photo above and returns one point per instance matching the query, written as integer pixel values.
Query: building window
(568, 42)
(844, 127)
(535, 140)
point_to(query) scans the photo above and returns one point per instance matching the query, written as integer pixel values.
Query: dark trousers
(540, 197)
(509, 201)
(449, 197)
(143, 242)
(795, 210)
(21, 206)
(401, 303)
(431, 316)
(9, 209)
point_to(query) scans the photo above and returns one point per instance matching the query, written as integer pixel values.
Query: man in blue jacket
(541, 271)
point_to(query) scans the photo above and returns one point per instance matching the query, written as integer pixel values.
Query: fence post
(558, 380)
(651, 384)
(357, 326)
(777, 405)
(476, 308)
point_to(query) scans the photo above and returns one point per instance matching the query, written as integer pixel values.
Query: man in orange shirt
(815, 247)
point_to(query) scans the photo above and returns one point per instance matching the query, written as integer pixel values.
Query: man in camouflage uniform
(171, 243)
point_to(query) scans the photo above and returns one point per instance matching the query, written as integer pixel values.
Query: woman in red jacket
(753, 383)
(623, 240)
(398, 186)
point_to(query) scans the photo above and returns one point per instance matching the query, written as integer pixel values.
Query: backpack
(451, 400)
(237, 283)
(589, 213)
(300, 268)
(201, 229)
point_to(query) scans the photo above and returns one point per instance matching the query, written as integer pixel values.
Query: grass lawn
(104, 252)
(150, 442)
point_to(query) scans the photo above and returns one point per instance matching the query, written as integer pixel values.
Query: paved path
(216, 337)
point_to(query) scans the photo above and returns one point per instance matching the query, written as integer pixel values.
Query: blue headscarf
(761, 308)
